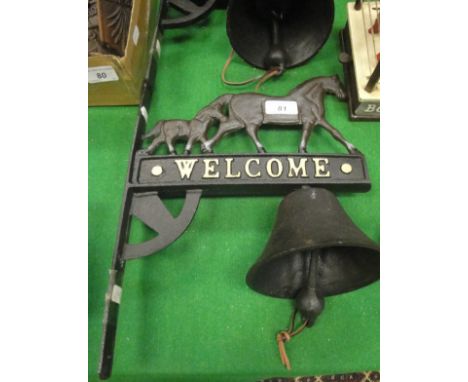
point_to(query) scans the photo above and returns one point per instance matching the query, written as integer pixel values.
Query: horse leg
(188, 147)
(206, 146)
(195, 130)
(190, 140)
(170, 146)
(306, 130)
(252, 130)
(224, 128)
(339, 137)
(154, 145)
(202, 136)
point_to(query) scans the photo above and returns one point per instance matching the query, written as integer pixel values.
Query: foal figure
(192, 131)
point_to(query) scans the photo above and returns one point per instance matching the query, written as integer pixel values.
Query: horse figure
(192, 131)
(248, 111)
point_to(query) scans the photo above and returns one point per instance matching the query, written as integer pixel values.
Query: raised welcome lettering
(248, 168)
(210, 172)
(279, 168)
(294, 170)
(274, 170)
(320, 170)
(229, 174)
(185, 167)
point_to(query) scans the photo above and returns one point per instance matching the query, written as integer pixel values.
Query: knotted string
(285, 335)
(269, 74)
(262, 78)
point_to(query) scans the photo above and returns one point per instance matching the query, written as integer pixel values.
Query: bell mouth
(341, 269)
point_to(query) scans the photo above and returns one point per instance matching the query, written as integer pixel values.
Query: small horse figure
(248, 111)
(192, 131)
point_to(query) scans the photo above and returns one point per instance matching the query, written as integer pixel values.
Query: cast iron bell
(278, 33)
(314, 251)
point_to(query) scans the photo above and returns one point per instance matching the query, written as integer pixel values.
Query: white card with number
(102, 74)
(281, 107)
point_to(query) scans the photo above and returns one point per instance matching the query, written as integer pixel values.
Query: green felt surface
(187, 313)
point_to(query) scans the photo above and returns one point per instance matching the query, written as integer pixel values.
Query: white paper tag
(158, 48)
(144, 113)
(136, 35)
(116, 294)
(281, 107)
(102, 74)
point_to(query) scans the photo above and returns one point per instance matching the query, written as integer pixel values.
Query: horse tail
(155, 131)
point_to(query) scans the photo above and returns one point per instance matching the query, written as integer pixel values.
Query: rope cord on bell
(285, 335)
(269, 74)
(262, 78)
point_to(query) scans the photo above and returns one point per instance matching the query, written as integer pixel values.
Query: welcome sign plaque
(261, 173)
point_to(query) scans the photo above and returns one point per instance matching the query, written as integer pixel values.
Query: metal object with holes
(364, 376)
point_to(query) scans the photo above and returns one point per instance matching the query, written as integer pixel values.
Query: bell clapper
(276, 57)
(314, 251)
(308, 301)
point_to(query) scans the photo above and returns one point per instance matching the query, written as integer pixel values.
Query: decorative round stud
(346, 168)
(157, 170)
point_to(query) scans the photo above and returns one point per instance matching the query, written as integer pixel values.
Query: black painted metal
(193, 11)
(116, 273)
(229, 174)
(278, 33)
(149, 208)
(154, 177)
(314, 251)
(374, 78)
(250, 111)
